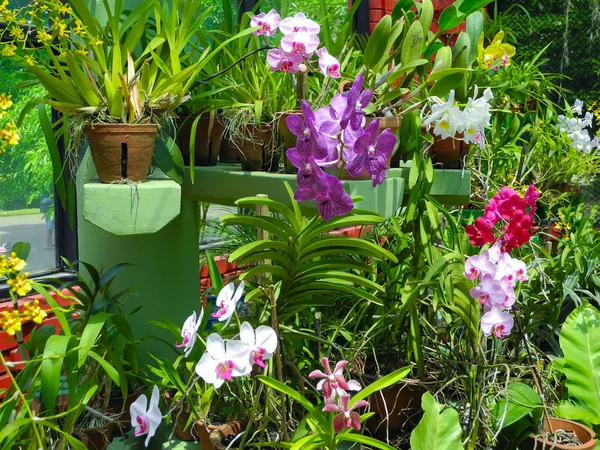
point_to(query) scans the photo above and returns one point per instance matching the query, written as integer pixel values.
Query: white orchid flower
(447, 117)
(188, 332)
(577, 108)
(222, 361)
(261, 343)
(227, 302)
(145, 420)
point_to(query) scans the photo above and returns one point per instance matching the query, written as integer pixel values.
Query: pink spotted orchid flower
(301, 43)
(222, 361)
(497, 322)
(227, 302)
(280, 60)
(346, 417)
(146, 419)
(328, 65)
(261, 343)
(268, 23)
(188, 332)
(334, 382)
(299, 23)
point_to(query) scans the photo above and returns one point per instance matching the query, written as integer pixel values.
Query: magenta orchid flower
(227, 302)
(268, 23)
(298, 23)
(497, 322)
(188, 332)
(356, 101)
(334, 382)
(346, 417)
(372, 152)
(261, 343)
(334, 201)
(328, 65)
(146, 419)
(222, 361)
(280, 60)
(302, 43)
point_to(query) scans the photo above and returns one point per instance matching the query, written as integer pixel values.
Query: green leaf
(55, 157)
(474, 30)
(470, 6)
(380, 384)
(288, 391)
(401, 7)
(21, 249)
(426, 15)
(439, 74)
(216, 280)
(51, 368)
(367, 440)
(444, 85)
(108, 368)
(522, 401)
(258, 246)
(450, 18)
(578, 412)
(168, 158)
(439, 429)
(90, 334)
(378, 42)
(580, 343)
(412, 47)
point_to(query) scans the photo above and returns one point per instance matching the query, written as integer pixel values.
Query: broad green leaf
(378, 42)
(286, 390)
(450, 18)
(258, 246)
(90, 334)
(426, 15)
(446, 72)
(470, 6)
(444, 85)
(272, 205)
(443, 60)
(401, 8)
(474, 30)
(412, 47)
(21, 249)
(55, 157)
(522, 401)
(439, 429)
(108, 368)
(401, 70)
(578, 412)
(580, 343)
(51, 368)
(380, 384)
(168, 158)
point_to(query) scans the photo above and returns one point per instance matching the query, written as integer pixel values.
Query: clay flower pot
(208, 141)
(584, 434)
(203, 431)
(403, 401)
(229, 154)
(257, 153)
(121, 151)
(448, 152)
(227, 429)
(97, 438)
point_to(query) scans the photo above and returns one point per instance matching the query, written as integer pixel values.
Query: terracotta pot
(227, 429)
(567, 188)
(403, 402)
(180, 419)
(122, 151)
(203, 431)
(584, 434)
(448, 152)
(208, 141)
(258, 154)
(229, 153)
(97, 438)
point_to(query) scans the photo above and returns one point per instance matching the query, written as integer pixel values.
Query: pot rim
(591, 443)
(131, 127)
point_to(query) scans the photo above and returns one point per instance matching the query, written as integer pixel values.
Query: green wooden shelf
(225, 183)
(131, 209)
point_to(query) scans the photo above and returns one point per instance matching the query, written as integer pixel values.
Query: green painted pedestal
(150, 227)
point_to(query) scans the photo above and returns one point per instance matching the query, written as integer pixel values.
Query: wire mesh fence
(571, 30)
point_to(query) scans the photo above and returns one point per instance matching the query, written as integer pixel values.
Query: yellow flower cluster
(9, 135)
(12, 321)
(594, 107)
(12, 268)
(20, 285)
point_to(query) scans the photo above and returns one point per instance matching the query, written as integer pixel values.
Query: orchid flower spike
(145, 420)
(227, 302)
(188, 332)
(221, 362)
(334, 381)
(261, 343)
(346, 417)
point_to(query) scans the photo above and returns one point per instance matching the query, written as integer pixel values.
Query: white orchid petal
(207, 368)
(247, 335)
(138, 408)
(225, 294)
(266, 338)
(215, 346)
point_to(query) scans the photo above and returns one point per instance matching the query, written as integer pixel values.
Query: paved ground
(28, 229)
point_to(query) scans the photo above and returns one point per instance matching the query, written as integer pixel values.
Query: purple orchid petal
(295, 124)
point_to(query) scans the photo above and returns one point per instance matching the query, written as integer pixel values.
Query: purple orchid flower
(310, 175)
(309, 141)
(372, 152)
(357, 100)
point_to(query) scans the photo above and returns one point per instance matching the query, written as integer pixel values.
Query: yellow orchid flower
(10, 322)
(496, 51)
